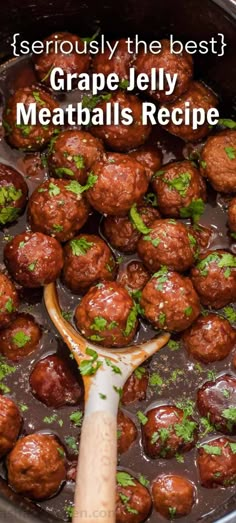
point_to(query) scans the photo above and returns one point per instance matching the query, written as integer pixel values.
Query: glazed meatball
(122, 137)
(173, 496)
(198, 96)
(28, 137)
(169, 301)
(180, 64)
(10, 424)
(135, 387)
(20, 338)
(36, 466)
(167, 430)
(72, 153)
(69, 62)
(210, 338)
(232, 215)
(168, 243)
(33, 259)
(218, 161)
(121, 181)
(54, 384)
(9, 300)
(107, 315)
(149, 156)
(133, 277)
(126, 432)
(13, 194)
(177, 185)
(217, 463)
(121, 231)
(133, 502)
(56, 208)
(214, 278)
(119, 63)
(88, 260)
(216, 400)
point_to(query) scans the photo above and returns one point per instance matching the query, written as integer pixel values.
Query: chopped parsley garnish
(207, 426)
(139, 372)
(188, 311)
(155, 380)
(53, 189)
(124, 479)
(72, 443)
(176, 374)
(231, 152)
(99, 323)
(225, 260)
(25, 129)
(187, 406)
(203, 164)
(114, 368)
(32, 266)
(181, 183)
(57, 228)
(9, 307)
(79, 161)
(131, 321)
(211, 449)
(227, 122)
(20, 339)
(172, 512)
(9, 194)
(211, 375)
(102, 396)
(142, 418)
(162, 319)
(37, 98)
(61, 452)
(5, 370)
(67, 315)
(77, 188)
(194, 210)
(8, 214)
(161, 276)
(233, 447)
(230, 314)
(64, 170)
(173, 345)
(69, 510)
(143, 480)
(154, 241)
(88, 367)
(186, 430)
(137, 220)
(23, 407)
(124, 83)
(77, 418)
(81, 246)
(118, 390)
(91, 101)
(230, 414)
(179, 457)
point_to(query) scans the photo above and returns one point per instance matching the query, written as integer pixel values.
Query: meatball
(10, 424)
(149, 156)
(122, 137)
(58, 209)
(232, 215)
(119, 63)
(33, 259)
(180, 64)
(13, 194)
(210, 338)
(9, 300)
(133, 277)
(72, 153)
(70, 61)
(167, 243)
(32, 137)
(169, 301)
(133, 502)
(107, 314)
(120, 182)
(121, 231)
(173, 496)
(218, 161)
(177, 185)
(217, 463)
(36, 466)
(214, 278)
(198, 96)
(216, 400)
(135, 387)
(20, 338)
(54, 384)
(126, 432)
(88, 260)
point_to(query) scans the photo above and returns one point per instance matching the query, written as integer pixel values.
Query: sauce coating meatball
(13, 194)
(126, 432)
(164, 434)
(36, 466)
(122, 137)
(214, 278)
(210, 338)
(122, 232)
(133, 277)
(169, 301)
(232, 215)
(32, 137)
(107, 315)
(177, 185)
(135, 387)
(10, 424)
(217, 463)
(9, 300)
(180, 64)
(121, 181)
(198, 96)
(173, 496)
(149, 156)
(54, 384)
(20, 338)
(88, 260)
(72, 153)
(218, 161)
(167, 243)
(33, 259)
(133, 502)
(56, 208)
(216, 400)
(69, 61)
(119, 63)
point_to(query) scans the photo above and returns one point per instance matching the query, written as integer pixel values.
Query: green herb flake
(77, 418)
(89, 367)
(124, 84)
(162, 277)
(154, 241)
(155, 380)
(20, 339)
(114, 368)
(211, 449)
(186, 430)
(72, 443)
(230, 414)
(140, 372)
(92, 101)
(231, 152)
(9, 307)
(24, 129)
(23, 407)
(138, 221)
(32, 266)
(37, 98)
(142, 418)
(131, 321)
(207, 426)
(173, 345)
(233, 447)
(181, 183)
(194, 210)
(64, 170)
(143, 480)
(80, 246)
(57, 228)
(230, 314)
(53, 189)
(172, 512)
(69, 510)
(124, 479)
(99, 323)
(102, 396)
(227, 122)
(77, 188)
(118, 391)
(179, 458)
(79, 161)
(162, 319)
(188, 311)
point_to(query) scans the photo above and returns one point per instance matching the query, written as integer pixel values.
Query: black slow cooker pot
(187, 20)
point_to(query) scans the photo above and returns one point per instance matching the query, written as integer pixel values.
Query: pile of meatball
(117, 172)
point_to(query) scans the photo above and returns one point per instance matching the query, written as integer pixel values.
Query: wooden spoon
(96, 474)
